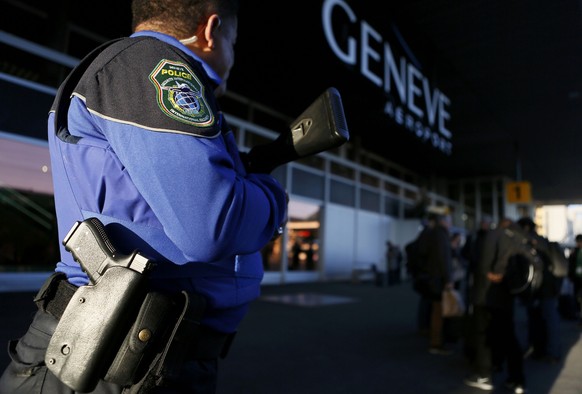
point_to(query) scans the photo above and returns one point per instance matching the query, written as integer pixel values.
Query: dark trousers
(393, 276)
(496, 343)
(544, 327)
(505, 344)
(480, 344)
(423, 314)
(28, 374)
(436, 336)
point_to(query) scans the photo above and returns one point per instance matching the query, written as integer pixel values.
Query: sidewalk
(322, 338)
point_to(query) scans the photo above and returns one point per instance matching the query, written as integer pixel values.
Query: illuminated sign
(419, 108)
(518, 192)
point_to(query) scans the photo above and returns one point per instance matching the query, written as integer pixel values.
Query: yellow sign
(518, 192)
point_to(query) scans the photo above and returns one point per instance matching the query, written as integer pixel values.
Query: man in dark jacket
(435, 249)
(493, 301)
(542, 306)
(471, 251)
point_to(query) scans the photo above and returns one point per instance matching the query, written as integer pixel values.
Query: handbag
(453, 304)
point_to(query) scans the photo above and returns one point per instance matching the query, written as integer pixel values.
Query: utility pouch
(176, 347)
(154, 321)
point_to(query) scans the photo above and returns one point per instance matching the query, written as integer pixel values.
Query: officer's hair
(179, 18)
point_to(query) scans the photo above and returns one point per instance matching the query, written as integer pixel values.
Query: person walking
(141, 144)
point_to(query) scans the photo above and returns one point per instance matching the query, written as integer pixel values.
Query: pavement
(340, 337)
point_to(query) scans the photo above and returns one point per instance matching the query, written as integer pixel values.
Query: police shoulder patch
(180, 94)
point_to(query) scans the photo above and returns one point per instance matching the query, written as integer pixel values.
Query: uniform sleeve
(206, 207)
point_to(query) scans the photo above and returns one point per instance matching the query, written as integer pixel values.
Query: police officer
(148, 152)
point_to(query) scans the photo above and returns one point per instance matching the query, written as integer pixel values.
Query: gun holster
(104, 333)
(93, 326)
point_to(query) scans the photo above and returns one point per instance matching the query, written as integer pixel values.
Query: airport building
(345, 203)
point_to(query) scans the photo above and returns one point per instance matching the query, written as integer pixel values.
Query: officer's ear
(209, 30)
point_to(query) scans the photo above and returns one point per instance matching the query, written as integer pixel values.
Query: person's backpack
(524, 268)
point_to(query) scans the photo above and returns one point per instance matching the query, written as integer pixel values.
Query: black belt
(57, 291)
(55, 294)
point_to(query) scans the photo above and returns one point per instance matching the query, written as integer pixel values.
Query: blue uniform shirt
(156, 162)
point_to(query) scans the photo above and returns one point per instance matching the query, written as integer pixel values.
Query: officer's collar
(173, 41)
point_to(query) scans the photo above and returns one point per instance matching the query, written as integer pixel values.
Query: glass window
(14, 99)
(280, 174)
(486, 189)
(411, 194)
(313, 161)
(343, 171)
(469, 192)
(272, 255)
(303, 236)
(391, 206)
(391, 187)
(28, 232)
(369, 180)
(342, 193)
(370, 201)
(376, 165)
(395, 172)
(307, 184)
